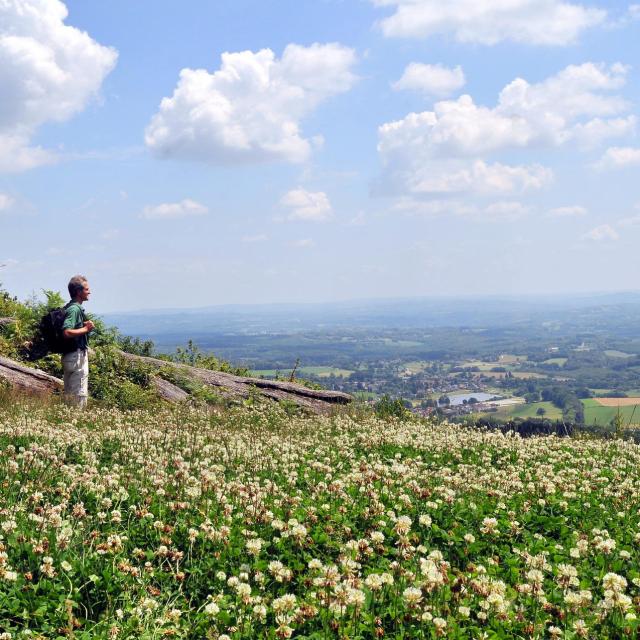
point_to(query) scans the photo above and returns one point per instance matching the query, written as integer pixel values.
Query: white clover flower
(425, 520)
(254, 546)
(412, 595)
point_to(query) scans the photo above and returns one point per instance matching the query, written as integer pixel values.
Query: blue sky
(340, 149)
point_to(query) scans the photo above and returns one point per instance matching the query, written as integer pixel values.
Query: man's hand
(89, 326)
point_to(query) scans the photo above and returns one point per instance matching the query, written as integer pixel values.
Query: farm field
(321, 372)
(597, 413)
(530, 411)
(252, 523)
(523, 375)
(559, 361)
(618, 402)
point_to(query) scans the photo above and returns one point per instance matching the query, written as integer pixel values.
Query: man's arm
(75, 333)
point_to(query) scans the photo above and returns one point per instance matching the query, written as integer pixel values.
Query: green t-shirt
(75, 319)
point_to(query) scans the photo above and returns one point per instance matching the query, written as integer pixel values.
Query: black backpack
(52, 334)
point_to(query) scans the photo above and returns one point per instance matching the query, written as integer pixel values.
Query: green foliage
(193, 356)
(388, 407)
(250, 523)
(117, 381)
(136, 346)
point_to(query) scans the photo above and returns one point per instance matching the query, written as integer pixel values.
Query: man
(77, 328)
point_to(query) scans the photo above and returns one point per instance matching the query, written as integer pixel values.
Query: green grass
(529, 411)
(595, 413)
(416, 366)
(559, 361)
(321, 372)
(511, 358)
(613, 353)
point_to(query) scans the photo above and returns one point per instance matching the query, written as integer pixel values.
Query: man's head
(79, 288)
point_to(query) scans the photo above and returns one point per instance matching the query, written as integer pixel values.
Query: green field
(512, 358)
(613, 353)
(559, 361)
(595, 413)
(416, 366)
(529, 411)
(321, 372)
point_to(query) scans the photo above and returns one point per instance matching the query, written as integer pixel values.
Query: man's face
(86, 292)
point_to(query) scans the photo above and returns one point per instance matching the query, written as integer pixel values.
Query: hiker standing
(76, 327)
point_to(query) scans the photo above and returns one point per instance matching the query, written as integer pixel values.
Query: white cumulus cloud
(168, 210)
(602, 232)
(539, 22)
(431, 79)
(250, 110)
(6, 202)
(307, 205)
(615, 157)
(49, 71)
(426, 152)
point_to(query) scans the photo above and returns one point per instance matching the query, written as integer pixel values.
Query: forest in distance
(575, 358)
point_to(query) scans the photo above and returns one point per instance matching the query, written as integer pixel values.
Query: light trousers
(76, 376)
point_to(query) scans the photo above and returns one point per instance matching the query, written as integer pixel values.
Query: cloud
(601, 233)
(170, 210)
(306, 205)
(431, 79)
(425, 152)
(253, 239)
(568, 212)
(250, 109)
(6, 202)
(631, 221)
(500, 211)
(49, 71)
(539, 22)
(506, 210)
(303, 243)
(478, 177)
(617, 157)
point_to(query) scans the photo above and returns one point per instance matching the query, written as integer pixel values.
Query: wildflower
(581, 629)
(254, 546)
(489, 526)
(440, 624)
(403, 525)
(412, 595)
(212, 609)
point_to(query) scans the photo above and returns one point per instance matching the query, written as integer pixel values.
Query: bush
(388, 407)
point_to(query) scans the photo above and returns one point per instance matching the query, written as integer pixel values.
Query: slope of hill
(123, 373)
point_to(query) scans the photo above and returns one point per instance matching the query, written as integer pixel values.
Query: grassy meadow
(595, 413)
(248, 522)
(321, 372)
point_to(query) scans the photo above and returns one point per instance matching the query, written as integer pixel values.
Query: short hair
(76, 285)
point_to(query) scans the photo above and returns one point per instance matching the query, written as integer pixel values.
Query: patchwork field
(618, 402)
(531, 411)
(321, 372)
(597, 413)
(250, 523)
